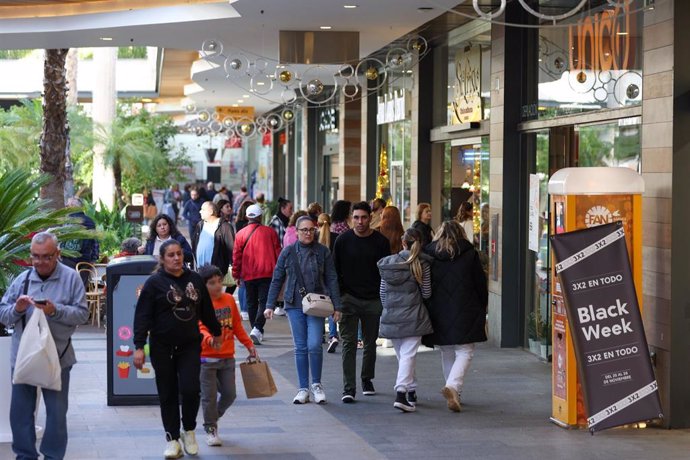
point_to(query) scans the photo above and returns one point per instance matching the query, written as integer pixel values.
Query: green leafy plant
(112, 227)
(23, 213)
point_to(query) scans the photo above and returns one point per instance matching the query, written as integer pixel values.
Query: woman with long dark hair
(405, 283)
(457, 307)
(162, 229)
(172, 302)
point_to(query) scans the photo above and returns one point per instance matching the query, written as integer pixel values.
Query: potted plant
(545, 346)
(533, 333)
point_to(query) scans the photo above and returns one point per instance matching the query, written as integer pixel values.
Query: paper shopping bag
(257, 379)
(37, 361)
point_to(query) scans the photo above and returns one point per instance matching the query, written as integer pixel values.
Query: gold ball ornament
(371, 73)
(288, 115)
(246, 128)
(285, 76)
(581, 77)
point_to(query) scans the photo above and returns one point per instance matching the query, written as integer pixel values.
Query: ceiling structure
(181, 26)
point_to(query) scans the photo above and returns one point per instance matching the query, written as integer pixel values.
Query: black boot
(402, 403)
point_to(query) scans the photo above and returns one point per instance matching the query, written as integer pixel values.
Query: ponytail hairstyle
(413, 241)
(324, 223)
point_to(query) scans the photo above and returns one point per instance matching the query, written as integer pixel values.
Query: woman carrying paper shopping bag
(316, 266)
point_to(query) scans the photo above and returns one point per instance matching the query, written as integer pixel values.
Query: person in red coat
(253, 260)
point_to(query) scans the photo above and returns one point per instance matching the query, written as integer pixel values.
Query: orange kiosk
(583, 198)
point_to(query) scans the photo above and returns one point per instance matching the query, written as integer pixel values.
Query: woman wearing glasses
(318, 273)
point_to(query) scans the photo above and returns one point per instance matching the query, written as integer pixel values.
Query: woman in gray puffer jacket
(405, 283)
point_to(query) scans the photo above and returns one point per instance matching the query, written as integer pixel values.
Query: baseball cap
(254, 211)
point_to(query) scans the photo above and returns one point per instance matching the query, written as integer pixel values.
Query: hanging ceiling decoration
(290, 86)
(492, 15)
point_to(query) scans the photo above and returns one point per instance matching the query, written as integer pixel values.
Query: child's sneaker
(212, 438)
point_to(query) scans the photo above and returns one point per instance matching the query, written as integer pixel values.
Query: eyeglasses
(42, 257)
(305, 231)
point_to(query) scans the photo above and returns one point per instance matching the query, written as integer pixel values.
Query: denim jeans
(332, 328)
(406, 352)
(218, 390)
(22, 408)
(242, 297)
(307, 334)
(257, 292)
(455, 360)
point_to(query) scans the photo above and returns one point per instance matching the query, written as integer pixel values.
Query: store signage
(603, 41)
(617, 378)
(534, 226)
(328, 120)
(236, 113)
(392, 107)
(467, 100)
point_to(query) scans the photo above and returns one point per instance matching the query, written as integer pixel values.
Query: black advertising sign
(616, 373)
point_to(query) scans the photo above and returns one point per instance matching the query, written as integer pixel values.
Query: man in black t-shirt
(355, 254)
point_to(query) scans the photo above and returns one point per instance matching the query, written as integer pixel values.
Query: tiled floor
(506, 404)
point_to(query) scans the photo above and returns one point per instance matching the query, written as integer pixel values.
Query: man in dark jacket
(356, 253)
(88, 248)
(213, 239)
(192, 210)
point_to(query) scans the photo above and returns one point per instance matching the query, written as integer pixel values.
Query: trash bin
(127, 386)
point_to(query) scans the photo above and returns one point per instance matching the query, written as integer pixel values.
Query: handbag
(228, 279)
(313, 304)
(37, 362)
(257, 379)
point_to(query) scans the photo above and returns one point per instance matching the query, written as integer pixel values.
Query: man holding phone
(58, 291)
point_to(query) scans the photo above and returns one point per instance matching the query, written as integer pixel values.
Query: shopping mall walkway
(506, 404)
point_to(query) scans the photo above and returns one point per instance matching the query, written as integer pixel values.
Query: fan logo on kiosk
(599, 215)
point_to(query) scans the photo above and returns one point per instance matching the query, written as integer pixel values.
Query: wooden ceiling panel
(176, 72)
(46, 8)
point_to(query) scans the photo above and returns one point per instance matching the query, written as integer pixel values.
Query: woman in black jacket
(459, 297)
(172, 302)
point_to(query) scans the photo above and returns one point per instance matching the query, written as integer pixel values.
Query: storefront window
(466, 178)
(594, 63)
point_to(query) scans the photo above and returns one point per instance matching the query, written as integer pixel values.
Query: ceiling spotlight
(350, 7)
(325, 27)
(235, 105)
(106, 39)
(245, 95)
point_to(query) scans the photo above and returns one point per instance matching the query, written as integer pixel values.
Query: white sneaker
(256, 336)
(244, 315)
(173, 449)
(188, 440)
(302, 397)
(319, 394)
(279, 311)
(212, 438)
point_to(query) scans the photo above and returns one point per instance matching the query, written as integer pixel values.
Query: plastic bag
(37, 362)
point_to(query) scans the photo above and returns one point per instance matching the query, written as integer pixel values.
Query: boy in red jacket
(218, 364)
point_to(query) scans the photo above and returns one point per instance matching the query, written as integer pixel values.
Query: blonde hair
(448, 237)
(413, 241)
(324, 222)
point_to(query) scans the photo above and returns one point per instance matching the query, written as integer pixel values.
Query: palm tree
(23, 213)
(129, 146)
(55, 137)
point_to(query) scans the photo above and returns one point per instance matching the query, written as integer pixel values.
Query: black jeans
(177, 373)
(257, 292)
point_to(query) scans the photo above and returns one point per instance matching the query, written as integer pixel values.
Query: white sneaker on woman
(188, 439)
(319, 394)
(173, 449)
(302, 397)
